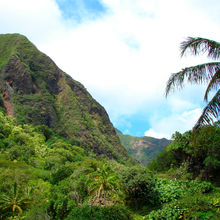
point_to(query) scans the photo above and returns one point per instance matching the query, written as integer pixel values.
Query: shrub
(99, 213)
(185, 200)
(169, 211)
(139, 183)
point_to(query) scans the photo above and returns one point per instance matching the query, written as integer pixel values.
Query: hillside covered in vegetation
(34, 90)
(144, 149)
(60, 157)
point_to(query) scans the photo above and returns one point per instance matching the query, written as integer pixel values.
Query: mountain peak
(34, 90)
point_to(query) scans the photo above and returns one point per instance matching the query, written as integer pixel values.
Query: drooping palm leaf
(196, 74)
(213, 84)
(14, 202)
(101, 183)
(201, 45)
(205, 73)
(210, 112)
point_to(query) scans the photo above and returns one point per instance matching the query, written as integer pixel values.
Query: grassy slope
(7, 47)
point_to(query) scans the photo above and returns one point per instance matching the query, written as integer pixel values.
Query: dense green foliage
(197, 155)
(190, 156)
(144, 149)
(43, 174)
(46, 176)
(184, 199)
(139, 186)
(100, 213)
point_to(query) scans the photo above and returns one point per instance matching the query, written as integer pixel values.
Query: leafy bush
(197, 186)
(199, 152)
(163, 161)
(184, 200)
(61, 172)
(188, 208)
(138, 183)
(169, 211)
(198, 206)
(60, 202)
(206, 153)
(99, 213)
(169, 190)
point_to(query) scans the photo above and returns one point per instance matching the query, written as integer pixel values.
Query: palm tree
(13, 203)
(208, 73)
(101, 183)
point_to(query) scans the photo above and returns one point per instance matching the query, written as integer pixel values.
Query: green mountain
(34, 90)
(143, 149)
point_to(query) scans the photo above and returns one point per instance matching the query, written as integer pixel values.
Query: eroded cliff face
(34, 90)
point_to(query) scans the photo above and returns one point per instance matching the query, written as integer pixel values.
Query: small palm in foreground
(205, 73)
(12, 204)
(101, 183)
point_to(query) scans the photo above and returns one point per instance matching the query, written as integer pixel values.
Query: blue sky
(80, 10)
(123, 52)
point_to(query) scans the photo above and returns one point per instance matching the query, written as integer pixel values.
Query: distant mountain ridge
(34, 90)
(143, 149)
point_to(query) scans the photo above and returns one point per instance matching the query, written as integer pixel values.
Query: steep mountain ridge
(34, 90)
(143, 149)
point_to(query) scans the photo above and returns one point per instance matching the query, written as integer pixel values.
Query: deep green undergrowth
(46, 176)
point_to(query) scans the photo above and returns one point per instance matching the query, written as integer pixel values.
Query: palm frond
(196, 74)
(92, 189)
(210, 112)
(4, 198)
(18, 208)
(213, 84)
(201, 45)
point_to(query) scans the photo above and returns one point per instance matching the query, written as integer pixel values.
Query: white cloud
(124, 58)
(40, 20)
(152, 133)
(167, 126)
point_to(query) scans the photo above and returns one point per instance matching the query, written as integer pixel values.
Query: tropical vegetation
(47, 174)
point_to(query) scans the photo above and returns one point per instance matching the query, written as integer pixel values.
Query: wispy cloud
(175, 122)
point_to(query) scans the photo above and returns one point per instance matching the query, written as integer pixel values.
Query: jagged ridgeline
(34, 90)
